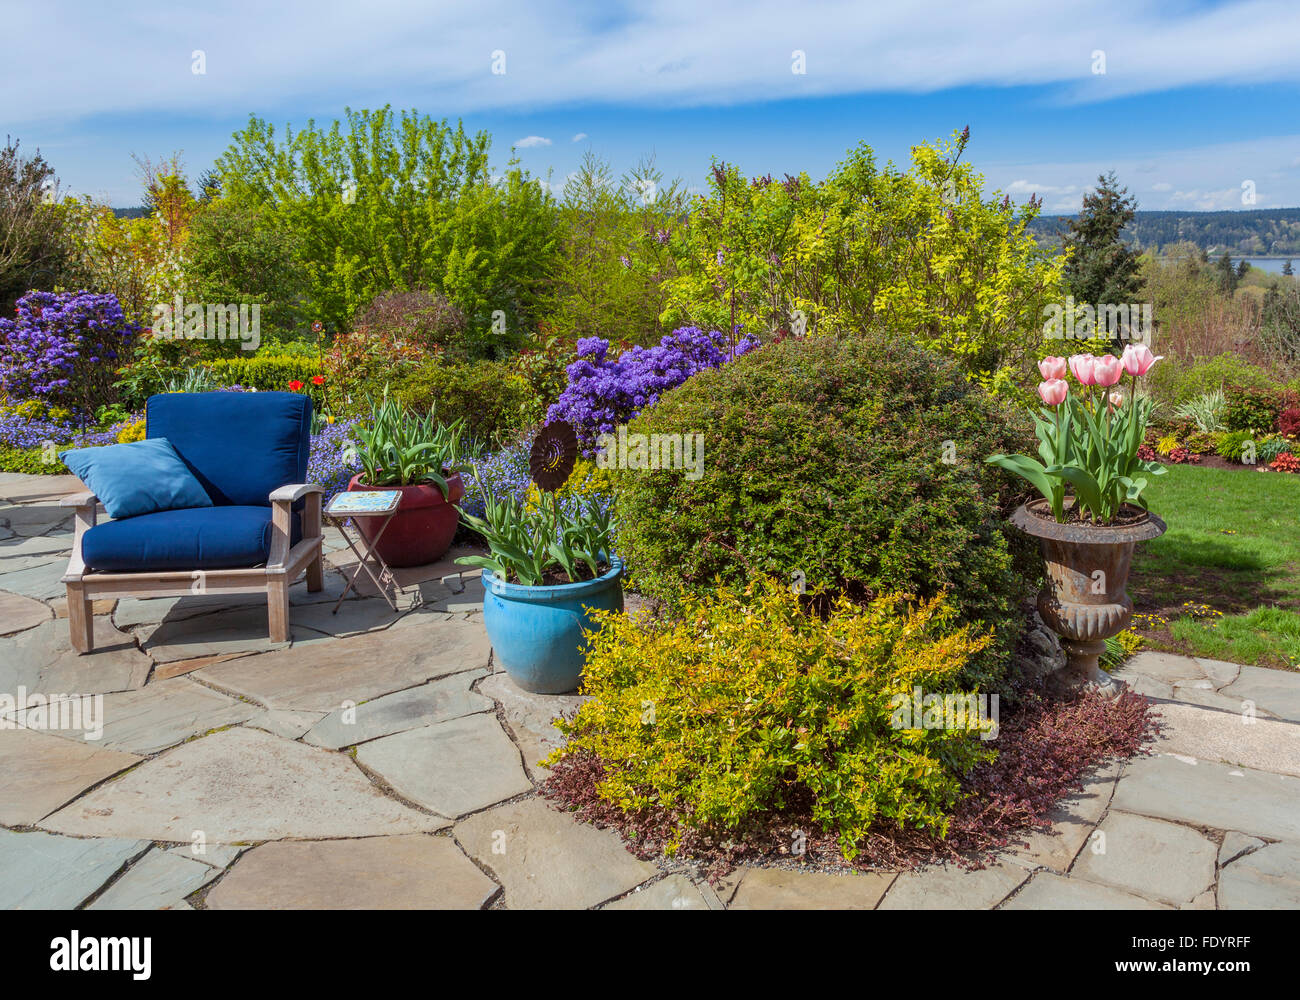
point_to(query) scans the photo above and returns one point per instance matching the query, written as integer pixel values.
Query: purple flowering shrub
(64, 347)
(333, 459)
(603, 393)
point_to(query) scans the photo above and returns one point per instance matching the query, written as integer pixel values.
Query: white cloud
(122, 58)
(579, 137)
(1199, 178)
(529, 141)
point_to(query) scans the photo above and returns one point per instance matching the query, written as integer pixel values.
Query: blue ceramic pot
(536, 632)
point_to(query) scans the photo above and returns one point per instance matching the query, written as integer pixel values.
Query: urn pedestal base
(1083, 598)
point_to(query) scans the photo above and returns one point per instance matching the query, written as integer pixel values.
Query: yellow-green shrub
(747, 705)
(131, 432)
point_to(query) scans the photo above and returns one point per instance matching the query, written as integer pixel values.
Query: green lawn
(1233, 544)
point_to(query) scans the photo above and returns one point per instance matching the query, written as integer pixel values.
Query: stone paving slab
(41, 578)
(438, 701)
(947, 887)
(1150, 858)
(676, 892)
(453, 768)
(236, 786)
(34, 519)
(59, 543)
(547, 859)
(160, 715)
(99, 606)
(1208, 794)
(42, 772)
(237, 630)
(18, 613)
(1230, 738)
(529, 717)
(1266, 879)
(1049, 891)
(1276, 692)
(321, 677)
(24, 486)
(379, 873)
(784, 889)
(158, 881)
(43, 661)
(39, 871)
(1073, 820)
(179, 668)
(288, 724)
(1235, 845)
(218, 856)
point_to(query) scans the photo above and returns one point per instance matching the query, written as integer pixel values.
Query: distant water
(1273, 265)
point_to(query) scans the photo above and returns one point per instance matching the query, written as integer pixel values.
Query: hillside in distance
(1263, 232)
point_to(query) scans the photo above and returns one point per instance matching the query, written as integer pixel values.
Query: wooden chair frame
(283, 566)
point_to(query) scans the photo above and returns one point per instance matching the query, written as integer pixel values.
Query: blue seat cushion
(198, 538)
(240, 446)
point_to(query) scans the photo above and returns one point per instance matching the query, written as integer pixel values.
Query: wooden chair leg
(81, 622)
(311, 529)
(277, 607)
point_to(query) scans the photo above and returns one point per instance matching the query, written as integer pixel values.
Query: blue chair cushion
(240, 445)
(136, 478)
(202, 538)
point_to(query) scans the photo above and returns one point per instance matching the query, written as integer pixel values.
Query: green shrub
(1176, 381)
(31, 461)
(491, 399)
(747, 707)
(857, 464)
(265, 373)
(1232, 445)
(1252, 410)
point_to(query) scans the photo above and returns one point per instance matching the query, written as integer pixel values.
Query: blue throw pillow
(137, 478)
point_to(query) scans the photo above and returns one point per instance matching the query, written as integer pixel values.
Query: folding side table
(353, 506)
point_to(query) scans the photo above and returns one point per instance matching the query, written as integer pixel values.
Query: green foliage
(264, 372)
(1102, 267)
(33, 234)
(919, 252)
(493, 401)
(1253, 410)
(32, 461)
(398, 447)
(613, 260)
(375, 203)
(1206, 411)
(1177, 381)
(236, 254)
(1232, 445)
(527, 541)
(856, 463)
(746, 707)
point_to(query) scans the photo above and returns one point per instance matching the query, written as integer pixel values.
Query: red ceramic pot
(423, 527)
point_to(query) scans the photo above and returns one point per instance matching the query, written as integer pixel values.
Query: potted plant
(401, 450)
(548, 569)
(1088, 442)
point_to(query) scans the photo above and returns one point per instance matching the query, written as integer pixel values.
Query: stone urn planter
(1083, 598)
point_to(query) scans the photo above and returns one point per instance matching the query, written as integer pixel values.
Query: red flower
(295, 385)
(318, 380)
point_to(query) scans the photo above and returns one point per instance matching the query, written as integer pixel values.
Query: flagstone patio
(379, 760)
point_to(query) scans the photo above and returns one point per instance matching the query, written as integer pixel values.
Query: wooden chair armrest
(86, 499)
(289, 494)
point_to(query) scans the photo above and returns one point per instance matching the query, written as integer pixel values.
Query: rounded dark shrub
(852, 465)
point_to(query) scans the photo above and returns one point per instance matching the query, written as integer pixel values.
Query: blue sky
(1195, 99)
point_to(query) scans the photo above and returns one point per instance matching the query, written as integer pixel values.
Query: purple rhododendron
(604, 393)
(63, 347)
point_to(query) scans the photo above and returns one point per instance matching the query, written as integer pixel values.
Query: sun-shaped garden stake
(554, 452)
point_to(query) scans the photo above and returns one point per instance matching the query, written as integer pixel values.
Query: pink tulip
(1053, 391)
(1107, 370)
(1081, 365)
(1053, 367)
(1116, 400)
(1138, 359)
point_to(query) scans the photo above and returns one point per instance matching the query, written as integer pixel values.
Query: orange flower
(318, 380)
(295, 385)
